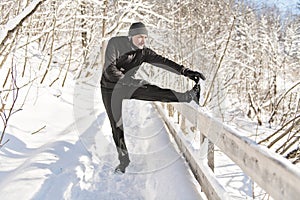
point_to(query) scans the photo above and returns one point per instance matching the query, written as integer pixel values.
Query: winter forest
(249, 53)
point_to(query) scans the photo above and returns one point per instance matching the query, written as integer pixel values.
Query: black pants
(112, 99)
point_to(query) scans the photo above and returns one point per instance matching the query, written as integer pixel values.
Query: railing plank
(276, 175)
(204, 175)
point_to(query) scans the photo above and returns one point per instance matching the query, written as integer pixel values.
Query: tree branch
(16, 22)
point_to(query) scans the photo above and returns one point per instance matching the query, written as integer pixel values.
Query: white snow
(73, 155)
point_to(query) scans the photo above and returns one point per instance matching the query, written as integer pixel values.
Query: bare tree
(8, 103)
(250, 56)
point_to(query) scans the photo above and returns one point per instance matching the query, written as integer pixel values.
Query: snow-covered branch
(13, 24)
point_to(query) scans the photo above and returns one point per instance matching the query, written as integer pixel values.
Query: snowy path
(156, 172)
(74, 156)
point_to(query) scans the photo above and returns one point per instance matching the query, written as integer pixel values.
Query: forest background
(250, 54)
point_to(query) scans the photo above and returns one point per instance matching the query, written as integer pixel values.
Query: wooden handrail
(275, 174)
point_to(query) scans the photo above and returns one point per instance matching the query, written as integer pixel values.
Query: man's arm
(111, 72)
(157, 60)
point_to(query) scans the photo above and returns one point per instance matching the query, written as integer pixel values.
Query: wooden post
(210, 152)
(183, 125)
(211, 155)
(170, 110)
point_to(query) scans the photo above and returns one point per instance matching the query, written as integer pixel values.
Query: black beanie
(137, 28)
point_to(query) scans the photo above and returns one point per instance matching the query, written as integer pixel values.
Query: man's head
(139, 34)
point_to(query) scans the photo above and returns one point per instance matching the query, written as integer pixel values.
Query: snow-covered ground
(73, 156)
(60, 147)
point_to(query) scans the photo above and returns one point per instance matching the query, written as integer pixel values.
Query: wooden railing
(273, 173)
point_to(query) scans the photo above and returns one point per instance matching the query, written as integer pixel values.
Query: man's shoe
(121, 168)
(194, 94)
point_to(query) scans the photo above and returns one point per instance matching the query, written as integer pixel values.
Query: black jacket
(123, 59)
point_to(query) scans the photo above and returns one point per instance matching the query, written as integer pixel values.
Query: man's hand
(194, 75)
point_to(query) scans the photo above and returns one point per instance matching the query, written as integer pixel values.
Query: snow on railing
(276, 175)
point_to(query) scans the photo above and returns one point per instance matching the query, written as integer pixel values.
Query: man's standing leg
(113, 108)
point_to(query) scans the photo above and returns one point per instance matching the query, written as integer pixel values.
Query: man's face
(139, 40)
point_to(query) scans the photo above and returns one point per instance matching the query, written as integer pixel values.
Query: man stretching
(123, 57)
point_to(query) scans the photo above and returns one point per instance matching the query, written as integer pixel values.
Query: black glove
(194, 75)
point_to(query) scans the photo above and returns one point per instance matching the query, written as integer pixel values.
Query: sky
(284, 5)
